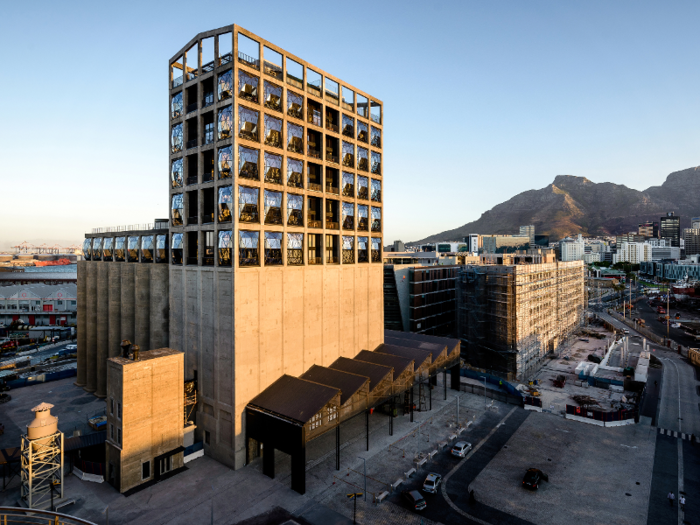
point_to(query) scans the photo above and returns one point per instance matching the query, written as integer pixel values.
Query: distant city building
(633, 253)
(39, 304)
(473, 241)
(672, 270)
(504, 243)
(691, 241)
(572, 250)
(629, 237)
(670, 229)
(659, 253)
(529, 232)
(590, 258)
(649, 230)
(541, 241)
(399, 246)
(695, 223)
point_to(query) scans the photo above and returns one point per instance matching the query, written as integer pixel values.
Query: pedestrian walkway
(679, 435)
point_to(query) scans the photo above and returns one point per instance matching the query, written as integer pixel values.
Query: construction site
(511, 316)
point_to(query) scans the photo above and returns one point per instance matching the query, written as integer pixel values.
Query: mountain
(573, 205)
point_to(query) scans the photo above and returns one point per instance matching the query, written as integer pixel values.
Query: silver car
(461, 449)
(432, 483)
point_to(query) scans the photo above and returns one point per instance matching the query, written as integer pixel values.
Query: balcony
(315, 224)
(332, 127)
(208, 67)
(273, 70)
(332, 225)
(248, 61)
(332, 189)
(208, 176)
(191, 144)
(315, 187)
(332, 158)
(192, 261)
(314, 117)
(315, 260)
(312, 152)
(191, 107)
(208, 218)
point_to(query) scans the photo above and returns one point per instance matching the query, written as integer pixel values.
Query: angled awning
(399, 364)
(420, 357)
(375, 373)
(348, 384)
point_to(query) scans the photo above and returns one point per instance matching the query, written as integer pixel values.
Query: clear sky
(483, 100)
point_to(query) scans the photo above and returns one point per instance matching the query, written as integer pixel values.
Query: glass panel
(161, 248)
(362, 219)
(225, 161)
(362, 159)
(273, 249)
(376, 219)
(332, 93)
(107, 248)
(376, 112)
(348, 99)
(295, 138)
(248, 248)
(176, 72)
(147, 248)
(177, 241)
(376, 163)
(348, 154)
(348, 216)
(313, 82)
(295, 249)
(176, 173)
(295, 173)
(247, 86)
(248, 51)
(176, 139)
(87, 249)
(248, 163)
(273, 131)
(176, 105)
(348, 126)
(225, 247)
(295, 210)
(119, 254)
(362, 249)
(225, 119)
(348, 250)
(208, 55)
(273, 63)
(348, 184)
(376, 191)
(376, 249)
(362, 108)
(225, 203)
(97, 249)
(273, 168)
(376, 137)
(225, 48)
(177, 210)
(295, 105)
(225, 84)
(273, 96)
(295, 74)
(176, 248)
(362, 187)
(273, 207)
(132, 250)
(248, 123)
(248, 204)
(361, 131)
(192, 61)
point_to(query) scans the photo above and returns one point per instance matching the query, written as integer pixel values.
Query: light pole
(365, 464)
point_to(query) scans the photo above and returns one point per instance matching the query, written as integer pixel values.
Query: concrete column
(102, 326)
(91, 321)
(115, 309)
(142, 294)
(128, 301)
(82, 325)
(160, 306)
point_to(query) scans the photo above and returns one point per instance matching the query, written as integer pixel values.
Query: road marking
(681, 513)
(456, 467)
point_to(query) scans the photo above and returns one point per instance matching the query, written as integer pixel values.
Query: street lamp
(365, 463)
(353, 496)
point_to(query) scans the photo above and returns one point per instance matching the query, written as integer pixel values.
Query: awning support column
(367, 427)
(269, 460)
(411, 407)
(444, 381)
(337, 447)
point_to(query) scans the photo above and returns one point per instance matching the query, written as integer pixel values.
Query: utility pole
(365, 462)
(668, 312)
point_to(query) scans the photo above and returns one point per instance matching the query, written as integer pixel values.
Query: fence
(532, 401)
(603, 417)
(12, 515)
(492, 394)
(42, 378)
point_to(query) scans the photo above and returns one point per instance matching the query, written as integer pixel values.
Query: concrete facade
(145, 417)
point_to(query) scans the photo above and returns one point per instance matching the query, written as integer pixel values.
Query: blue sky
(605, 90)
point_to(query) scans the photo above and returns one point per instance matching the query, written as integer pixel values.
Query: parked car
(71, 347)
(415, 499)
(461, 449)
(533, 478)
(432, 483)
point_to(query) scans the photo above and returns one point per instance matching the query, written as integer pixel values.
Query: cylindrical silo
(160, 306)
(102, 327)
(82, 324)
(115, 309)
(91, 321)
(128, 301)
(142, 317)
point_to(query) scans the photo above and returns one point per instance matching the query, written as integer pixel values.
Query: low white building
(590, 258)
(572, 250)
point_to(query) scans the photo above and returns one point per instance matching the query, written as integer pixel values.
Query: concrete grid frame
(242, 327)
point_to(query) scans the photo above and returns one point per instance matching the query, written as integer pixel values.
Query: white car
(71, 347)
(461, 449)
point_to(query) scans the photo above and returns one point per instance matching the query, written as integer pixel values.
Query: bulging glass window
(361, 131)
(247, 86)
(273, 249)
(177, 209)
(362, 187)
(295, 173)
(248, 251)
(376, 137)
(376, 250)
(348, 99)
(225, 162)
(176, 139)
(376, 219)
(176, 248)
(273, 168)
(295, 249)
(176, 173)
(248, 123)
(248, 204)
(348, 249)
(348, 216)
(273, 207)
(224, 85)
(295, 105)
(97, 249)
(224, 124)
(87, 249)
(147, 248)
(225, 203)
(273, 131)
(362, 249)
(248, 163)
(376, 163)
(348, 126)
(348, 184)
(362, 159)
(225, 247)
(273, 96)
(348, 154)
(176, 105)
(295, 210)
(376, 190)
(161, 248)
(362, 217)
(295, 138)
(132, 249)
(119, 249)
(107, 248)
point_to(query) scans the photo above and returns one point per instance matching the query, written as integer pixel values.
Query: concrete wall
(256, 324)
(81, 380)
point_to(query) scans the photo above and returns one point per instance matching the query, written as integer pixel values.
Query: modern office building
(529, 232)
(649, 230)
(504, 243)
(691, 238)
(670, 229)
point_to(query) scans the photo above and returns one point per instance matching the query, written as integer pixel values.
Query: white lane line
(449, 475)
(681, 513)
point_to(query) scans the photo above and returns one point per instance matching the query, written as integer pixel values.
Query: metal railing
(314, 224)
(332, 189)
(273, 70)
(315, 260)
(192, 179)
(312, 152)
(225, 59)
(132, 227)
(209, 66)
(16, 515)
(177, 81)
(314, 187)
(332, 158)
(208, 176)
(294, 81)
(249, 61)
(332, 225)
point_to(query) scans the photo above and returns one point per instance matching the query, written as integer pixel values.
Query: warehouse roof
(399, 364)
(375, 373)
(347, 383)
